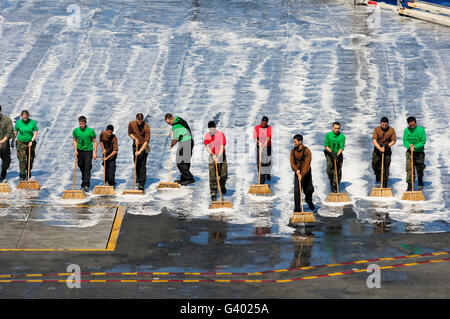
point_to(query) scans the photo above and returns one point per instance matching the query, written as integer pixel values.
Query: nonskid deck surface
(304, 64)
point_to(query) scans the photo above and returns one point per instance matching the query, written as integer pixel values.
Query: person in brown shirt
(301, 165)
(383, 139)
(110, 147)
(139, 132)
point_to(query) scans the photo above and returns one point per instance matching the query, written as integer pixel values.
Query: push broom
(168, 184)
(413, 195)
(28, 184)
(301, 217)
(381, 191)
(133, 191)
(103, 189)
(337, 197)
(220, 203)
(259, 189)
(73, 194)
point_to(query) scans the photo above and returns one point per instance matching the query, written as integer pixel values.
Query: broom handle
(300, 186)
(412, 171)
(104, 170)
(170, 165)
(335, 170)
(259, 169)
(134, 172)
(74, 172)
(218, 184)
(29, 155)
(382, 167)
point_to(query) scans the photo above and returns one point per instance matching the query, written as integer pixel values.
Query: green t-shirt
(180, 133)
(416, 137)
(84, 138)
(26, 130)
(334, 142)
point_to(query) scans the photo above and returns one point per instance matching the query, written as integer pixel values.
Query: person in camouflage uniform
(6, 133)
(334, 145)
(414, 140)
(26, 132)
(215, 145)
(383, 138)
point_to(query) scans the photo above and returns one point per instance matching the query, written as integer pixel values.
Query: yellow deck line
(111, 246)
(113, 236)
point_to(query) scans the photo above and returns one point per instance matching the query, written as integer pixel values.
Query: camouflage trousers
(419, 165)
(22, 156)
(222, 168)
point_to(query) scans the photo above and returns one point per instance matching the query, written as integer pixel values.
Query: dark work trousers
(141, 167)
(85, 165)
(5, 155)
(110, 170)
(184, 155)
(376, 166)
(331, 171)
(307, 188)
(266, 161)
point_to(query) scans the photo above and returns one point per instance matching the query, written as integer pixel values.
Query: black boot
(409, 187)
(213, 198)
(223, 189)
(378, 178)
(420, 182)
(311, 206)
(268, 177)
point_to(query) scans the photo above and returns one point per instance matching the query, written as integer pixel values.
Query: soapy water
(303, 64)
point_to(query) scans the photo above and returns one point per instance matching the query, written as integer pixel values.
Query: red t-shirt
(262, 134)
(215, 141)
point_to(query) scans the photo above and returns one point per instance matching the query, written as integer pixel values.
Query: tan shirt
(383, 137)
(109, 143)
(142, 133)
(301, 160)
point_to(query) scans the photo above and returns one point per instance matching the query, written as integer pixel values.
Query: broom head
(104, 190)
(381, 192)
(304, 240)
(31, 184)
(168, 185)
(73, 194)
(299, 218)
(413, 195)
(133, 192)
(338, 197)
(221, 204)
(260, 189)
(4, 188)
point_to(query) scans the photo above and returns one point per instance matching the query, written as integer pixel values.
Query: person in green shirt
(26, 132)
(414, 140)
(334, 145)
(85, 145)
(6, 133)
(181, 134)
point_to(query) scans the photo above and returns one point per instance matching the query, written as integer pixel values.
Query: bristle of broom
(259, 189)
(29, 185)
(4, 188)
(168, 185)
(413, 195)
(338, 197)
(221, 204)
(133, 192)
(104, 190)
(73, 194)
(302, 218)
(381, 192)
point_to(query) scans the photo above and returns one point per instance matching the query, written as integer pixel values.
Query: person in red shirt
(215, 145)
(262, 134)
